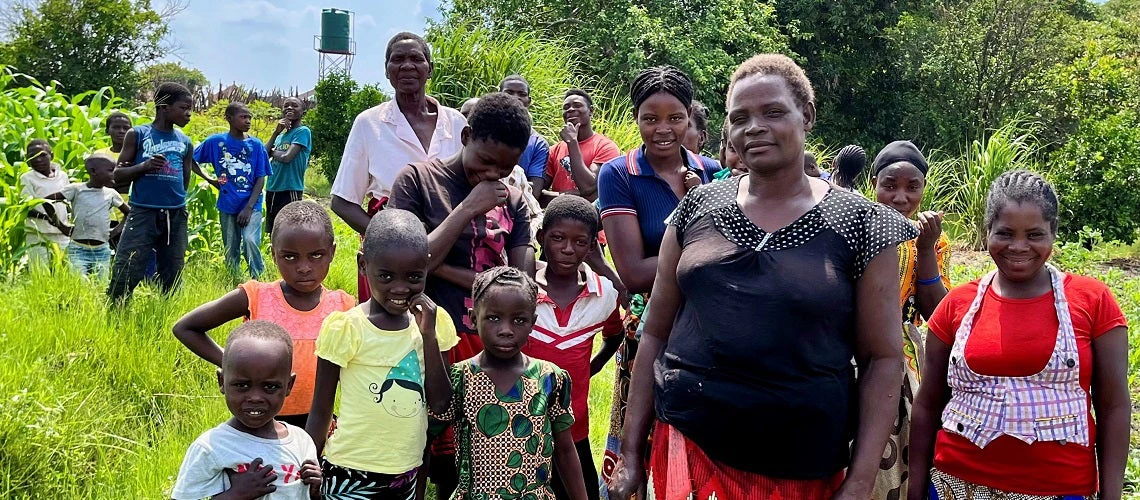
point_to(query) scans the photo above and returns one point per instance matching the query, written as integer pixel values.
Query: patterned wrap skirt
(943, 486)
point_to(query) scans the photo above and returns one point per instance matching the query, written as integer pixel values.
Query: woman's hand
(628, 477)
(929, 230)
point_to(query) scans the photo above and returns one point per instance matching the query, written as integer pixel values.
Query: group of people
(145, 174)
(766, 320)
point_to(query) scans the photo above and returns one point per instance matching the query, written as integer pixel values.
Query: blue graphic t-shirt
(165, 188)
(291, 176)
(237, 164)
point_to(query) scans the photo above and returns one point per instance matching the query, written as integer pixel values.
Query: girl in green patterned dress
(511, 412)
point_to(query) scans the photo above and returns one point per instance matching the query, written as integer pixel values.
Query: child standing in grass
(574, 304)
(154, 160)
(91, 202)
(303, 248)
(116, 127)
(45, 223)
(386, 356)
(512, 412)
(240, 165)
(292, 144)
(252, 455)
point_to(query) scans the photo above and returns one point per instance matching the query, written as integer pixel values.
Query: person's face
(303, 255)
(291, 109)
(118, 129)
(178, 112)
(39, 157)
(1020, 241)
(401, 402)
(662, 120)
(576, 110)
(408, 68)
(729, 159)
(241, 121)
(518, 90)
(487, 159)
(766, 127)
(468, 106)
(900, 186)
(255, 378)
(811, 169)
(504, 318)
(565, 245)
(695, 138)
(101, 171)
(395, 277)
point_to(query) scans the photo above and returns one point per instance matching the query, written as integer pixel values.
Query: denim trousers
(90, 259)
(243, 242)
(149, 233)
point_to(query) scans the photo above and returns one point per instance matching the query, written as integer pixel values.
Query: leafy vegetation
(87, 44)
(341, 99)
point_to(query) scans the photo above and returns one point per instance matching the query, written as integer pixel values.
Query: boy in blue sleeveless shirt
(156, 159)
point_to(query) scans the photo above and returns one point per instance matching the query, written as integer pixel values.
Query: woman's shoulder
(1085, 285)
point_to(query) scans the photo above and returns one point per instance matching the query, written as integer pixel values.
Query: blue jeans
(243, 241)
(88, 259)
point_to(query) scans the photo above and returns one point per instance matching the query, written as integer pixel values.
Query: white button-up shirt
(382, 142)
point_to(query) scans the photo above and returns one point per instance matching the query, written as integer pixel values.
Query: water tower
(335, 45)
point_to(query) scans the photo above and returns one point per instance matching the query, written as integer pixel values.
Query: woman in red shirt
(1004, 409)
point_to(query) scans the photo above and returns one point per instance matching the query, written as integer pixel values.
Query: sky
(268, 44)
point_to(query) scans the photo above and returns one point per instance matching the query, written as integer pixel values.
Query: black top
(757, 371)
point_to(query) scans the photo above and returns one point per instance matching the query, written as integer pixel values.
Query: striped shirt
(563, 336)
(627, 185)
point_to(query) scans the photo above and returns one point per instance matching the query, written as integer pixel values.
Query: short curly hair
(570, 207)
(780, 65)
(260, 329)
(500, 118)
(303, 213)
(390, 229)
(579, 92)
(406, 35)
(169, 93)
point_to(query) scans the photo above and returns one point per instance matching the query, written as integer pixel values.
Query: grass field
(98, 403)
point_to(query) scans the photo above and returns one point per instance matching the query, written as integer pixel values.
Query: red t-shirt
(597, 149)
(1014, 338)
(564, 337)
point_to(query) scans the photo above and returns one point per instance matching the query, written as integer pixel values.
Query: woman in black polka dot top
(753, 387)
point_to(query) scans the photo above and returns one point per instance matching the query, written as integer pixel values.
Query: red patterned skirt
(680, 470)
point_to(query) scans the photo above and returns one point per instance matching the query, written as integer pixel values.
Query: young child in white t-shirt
(252, 455)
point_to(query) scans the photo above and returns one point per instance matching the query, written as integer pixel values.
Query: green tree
(975, 64)
(339, 99)
(156, 74)
(615, 39)
(84, 44)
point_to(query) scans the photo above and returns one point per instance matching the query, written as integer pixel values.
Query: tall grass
(958, 186)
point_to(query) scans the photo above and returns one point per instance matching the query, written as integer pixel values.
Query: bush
(1097, 176)
(339, 100)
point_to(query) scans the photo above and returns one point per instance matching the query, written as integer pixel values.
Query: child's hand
(244, 216)
(255, 482)
(283, 125)
(486, 196)
(311, 475)
(156, 163)
(691, 180)
(424, 310)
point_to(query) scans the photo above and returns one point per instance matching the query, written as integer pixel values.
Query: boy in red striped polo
(574, 304)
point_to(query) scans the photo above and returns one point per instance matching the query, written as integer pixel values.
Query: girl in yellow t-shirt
(385, 356)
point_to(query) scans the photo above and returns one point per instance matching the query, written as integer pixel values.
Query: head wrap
(897, 152)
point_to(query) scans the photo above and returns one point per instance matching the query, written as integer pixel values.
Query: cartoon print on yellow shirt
(402, 393)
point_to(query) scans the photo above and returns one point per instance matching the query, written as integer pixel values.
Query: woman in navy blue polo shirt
(637, 192)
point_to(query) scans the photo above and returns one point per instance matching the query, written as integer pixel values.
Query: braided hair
(1021, 186)
(666, 79)
(502, 276)
(847, 165)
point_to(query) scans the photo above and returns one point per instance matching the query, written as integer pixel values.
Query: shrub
(339, 100)
(1097, 175)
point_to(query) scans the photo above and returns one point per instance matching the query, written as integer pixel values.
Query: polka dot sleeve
(882, 227)
(695, 203)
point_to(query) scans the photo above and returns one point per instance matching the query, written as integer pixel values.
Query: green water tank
(336, 31)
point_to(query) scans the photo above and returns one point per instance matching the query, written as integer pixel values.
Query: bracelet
(930, 281)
